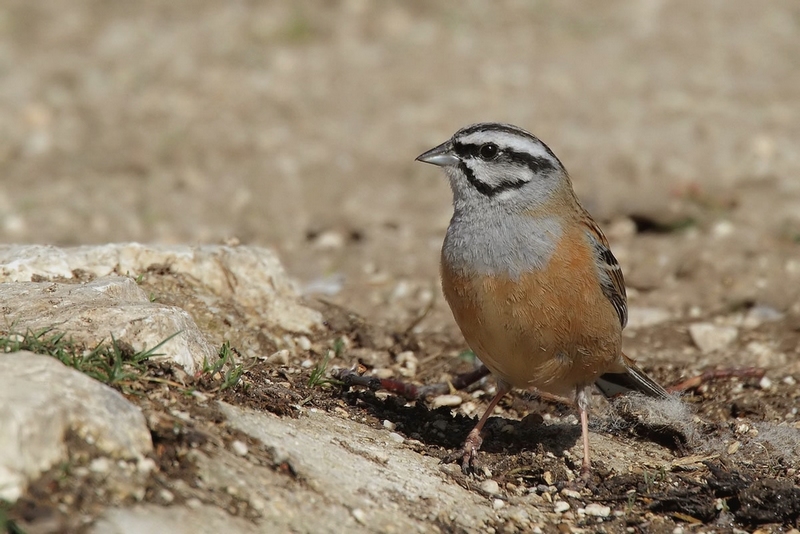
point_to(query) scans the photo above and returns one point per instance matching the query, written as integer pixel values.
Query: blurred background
(295, 124)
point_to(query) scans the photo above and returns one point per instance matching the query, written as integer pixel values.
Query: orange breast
(552, 329)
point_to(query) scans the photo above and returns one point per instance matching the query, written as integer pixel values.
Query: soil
(294, 125)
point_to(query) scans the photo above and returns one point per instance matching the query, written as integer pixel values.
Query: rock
(710, 337)
(344, 466)
(446, 400)
(640, 317)
(560, 507)
(105, 308)
(490, 486)
(597, 510)
(252, 276)
(760, 314)
(144, 519)
(49, 401)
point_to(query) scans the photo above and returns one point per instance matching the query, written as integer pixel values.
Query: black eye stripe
(534, 163)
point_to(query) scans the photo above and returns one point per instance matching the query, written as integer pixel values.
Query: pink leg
(469, 451)
(583, 406)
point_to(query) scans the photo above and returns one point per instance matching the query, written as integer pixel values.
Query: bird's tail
(630, 379)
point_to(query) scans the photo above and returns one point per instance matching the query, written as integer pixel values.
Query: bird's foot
(468, 454)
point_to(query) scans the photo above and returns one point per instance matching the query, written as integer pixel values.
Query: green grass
(317, 377)
(230, 372)
(112, 363)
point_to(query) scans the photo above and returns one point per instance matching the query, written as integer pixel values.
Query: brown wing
(610, 272)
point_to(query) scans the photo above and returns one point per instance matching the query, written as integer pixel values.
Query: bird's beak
(441, 156)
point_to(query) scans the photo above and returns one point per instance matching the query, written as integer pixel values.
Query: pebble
(388, 425)
(304, 343)
(100, 465)
(639, 316)
(490, 486)
(239, 448)
(572, 494)
(279, 358)
(560, 507)
(765, 383)
(397, 438)
(166, 496)
(446, 400)
(710, 337)
(359, 515)
(145, 465)
(789, 381)
(408, 363)
(498, 503)
(757, 315)
(597, 510)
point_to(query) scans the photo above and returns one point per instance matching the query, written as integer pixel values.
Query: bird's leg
(472, 444)
(583, 406)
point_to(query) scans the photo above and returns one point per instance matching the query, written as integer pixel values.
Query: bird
(529, 276)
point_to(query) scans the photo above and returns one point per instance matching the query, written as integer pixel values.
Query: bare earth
(294, 125)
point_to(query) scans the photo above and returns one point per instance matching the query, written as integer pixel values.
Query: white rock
(710, 337)
(279, 358)
(758, 315)
(44, 400)
(252, 276)
(597, 510)
(560, 507)
(344, 465)
(239, 447)
(148, 518)
(640, 317)
(446, 400)
(107, 307)
(490, 486)
(498, 503)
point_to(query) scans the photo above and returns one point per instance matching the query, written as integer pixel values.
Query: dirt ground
(295, 125)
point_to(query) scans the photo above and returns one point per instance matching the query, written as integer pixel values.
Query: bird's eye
(488, 151)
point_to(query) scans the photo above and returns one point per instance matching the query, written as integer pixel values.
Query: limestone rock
(710, 337)
(49, 400)
(145, 519)
(93, 312)
(252, 276)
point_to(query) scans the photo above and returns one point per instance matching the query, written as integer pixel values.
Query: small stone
(757, 315)
(329, 240)
(279, 358)
(397, 438)
(789, 381)
(734, 447)
(166, 496)
(572, 494)
(446, 400)
(639, 317)
(710, 337)
(304, 343)
(723, 229)
(145, 465)
(765, 383)
(408, 363)
(490, 486)
(440, 424)
(100, 465)
(597, 510)
(306, 364)
(498, 503)
(560, 507)
(239, 448)
(548, 478)
(388, 425)
(359, 515)
(194, 503)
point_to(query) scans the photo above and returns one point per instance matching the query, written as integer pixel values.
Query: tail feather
(632, 379)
